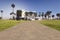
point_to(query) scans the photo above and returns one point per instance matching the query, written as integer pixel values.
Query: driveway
(30, 30)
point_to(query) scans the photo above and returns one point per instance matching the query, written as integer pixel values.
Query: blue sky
(30, 5)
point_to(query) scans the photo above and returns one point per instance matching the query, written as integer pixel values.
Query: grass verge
(52, 23)
(4, 24)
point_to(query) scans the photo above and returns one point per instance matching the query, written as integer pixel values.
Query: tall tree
(13, 6)
(13, 15)
(53, 16)
(45, 16)
(48, 14)
(42, 15)
(26, 14)
(58, 15)
(39, 14)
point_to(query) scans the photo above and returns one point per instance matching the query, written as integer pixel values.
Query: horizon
(29, 5)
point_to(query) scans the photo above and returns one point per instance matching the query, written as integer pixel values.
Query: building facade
(20, 14)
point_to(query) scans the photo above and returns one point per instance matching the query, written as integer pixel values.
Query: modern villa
(25, 15)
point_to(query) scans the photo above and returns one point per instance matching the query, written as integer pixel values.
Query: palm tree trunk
(1, 16)
(13, 10)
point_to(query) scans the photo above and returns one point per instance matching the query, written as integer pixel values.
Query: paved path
(31, 30)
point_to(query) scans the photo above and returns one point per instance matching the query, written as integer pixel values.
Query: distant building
(25, 15)
(30, 15)
(20, 14)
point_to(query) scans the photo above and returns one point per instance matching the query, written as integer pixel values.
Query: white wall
(23, 13)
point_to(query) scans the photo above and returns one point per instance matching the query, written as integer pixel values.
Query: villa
(22, 15)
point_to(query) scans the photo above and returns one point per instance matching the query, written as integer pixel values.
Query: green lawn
(52, 23)
(4, 24)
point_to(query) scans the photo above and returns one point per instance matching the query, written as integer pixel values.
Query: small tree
(53, 16)
(58, 15)
(48, 14)
(13, 6)
(13, 15)
(45, 16)
(42, 15)
(39, 14)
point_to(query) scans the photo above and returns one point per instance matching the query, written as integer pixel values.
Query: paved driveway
(30, 30)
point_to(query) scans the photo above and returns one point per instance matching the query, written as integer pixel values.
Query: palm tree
(12, 13)
(13, 17)
(1, 14)
(13, 6)
(58, 15)
(45, 16)
(39, 14)
(42, 15)
(26, 14)
(53, 16)
(48, 14)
